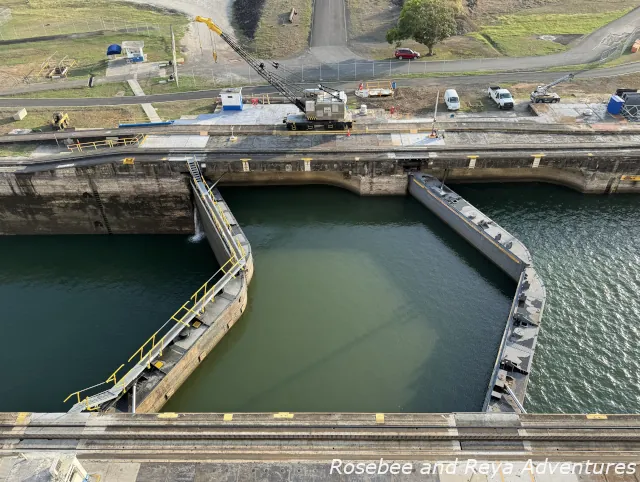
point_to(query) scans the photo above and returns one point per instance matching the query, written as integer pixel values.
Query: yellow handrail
(188, 308)
(80, 146)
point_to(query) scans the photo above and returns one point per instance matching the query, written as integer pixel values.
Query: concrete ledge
(515, 354)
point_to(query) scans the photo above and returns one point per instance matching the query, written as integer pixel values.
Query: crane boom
(543, 88)
(275, 80)
(322, 107)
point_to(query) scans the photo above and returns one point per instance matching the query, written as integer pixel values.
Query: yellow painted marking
(596, 416)
(245, 159)
(306, 158)
(128, 160)
(196, 324)
(379, 417)
(538, 155)
(158, 364)
(630, 178)
(413, 131)
(204, 133)
(168, 415)
(22, 417)
(590, 154)
(228, 417)
(283, 415)
(472, 157)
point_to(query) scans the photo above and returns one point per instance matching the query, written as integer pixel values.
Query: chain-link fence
(304, 72)
(76, 26)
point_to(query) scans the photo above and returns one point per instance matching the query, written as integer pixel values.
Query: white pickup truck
(502, 97)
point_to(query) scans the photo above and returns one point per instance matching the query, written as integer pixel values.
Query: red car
(407, 54)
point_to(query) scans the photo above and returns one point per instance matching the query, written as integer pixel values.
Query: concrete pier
(511, 370)
(305, 446)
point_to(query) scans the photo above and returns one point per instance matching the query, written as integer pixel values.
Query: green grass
(19, 149)
(103, 90)
(69, 16)
(188, 83)
(515, 35)
(81, 117)
(275, 37)
(174, 110)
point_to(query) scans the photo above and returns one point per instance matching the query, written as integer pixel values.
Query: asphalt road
(329, 23)
(443, 81)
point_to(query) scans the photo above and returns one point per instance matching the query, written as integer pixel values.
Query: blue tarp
(114, 49)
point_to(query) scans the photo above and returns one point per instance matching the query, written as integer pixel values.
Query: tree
(425, 21)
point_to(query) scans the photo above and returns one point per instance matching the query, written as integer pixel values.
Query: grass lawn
(40, 117)
(275, 37)
(174, 110)
(19, 149)
(50, 17)
(103, 90)
(516, 35)
(458, 47)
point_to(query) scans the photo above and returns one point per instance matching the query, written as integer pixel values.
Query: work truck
(502, 97)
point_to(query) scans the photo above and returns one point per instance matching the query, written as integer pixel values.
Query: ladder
(98, 199)
(194, 170)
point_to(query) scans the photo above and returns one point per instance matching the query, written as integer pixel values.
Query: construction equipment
(60, 121)
(542, 94)
(321, 107)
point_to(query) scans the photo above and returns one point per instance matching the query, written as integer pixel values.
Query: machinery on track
(323, 107)
(542, 94)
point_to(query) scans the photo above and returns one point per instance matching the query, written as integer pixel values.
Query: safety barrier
(126, 141)
(154, 346)
(241, 253)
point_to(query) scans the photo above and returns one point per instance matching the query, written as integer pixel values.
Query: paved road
(347, 86)
(328, 41)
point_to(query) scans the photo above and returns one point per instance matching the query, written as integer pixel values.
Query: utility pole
(173, 50)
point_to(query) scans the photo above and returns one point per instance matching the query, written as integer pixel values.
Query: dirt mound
(246, 14)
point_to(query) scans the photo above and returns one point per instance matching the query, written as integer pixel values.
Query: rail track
(321, 436)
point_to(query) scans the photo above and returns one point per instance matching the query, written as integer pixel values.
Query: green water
(357, 304)
(73, 308)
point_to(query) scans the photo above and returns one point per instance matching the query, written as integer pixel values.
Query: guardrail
(154, 346)
(126, 141)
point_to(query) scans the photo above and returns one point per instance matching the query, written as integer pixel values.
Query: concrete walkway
(147, 108)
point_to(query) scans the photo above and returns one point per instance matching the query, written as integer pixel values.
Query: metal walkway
(238, 248)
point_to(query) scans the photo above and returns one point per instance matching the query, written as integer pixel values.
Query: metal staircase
(195, 170)
(237, 248)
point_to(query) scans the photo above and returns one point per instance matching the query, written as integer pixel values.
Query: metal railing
(154, 346)
(126, 141)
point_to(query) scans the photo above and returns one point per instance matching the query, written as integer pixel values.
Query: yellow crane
(321, 107)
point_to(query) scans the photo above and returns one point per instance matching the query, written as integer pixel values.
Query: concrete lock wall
(487, 246)
(218, 247)
(155, 197)
(175, 377)
(135, 199)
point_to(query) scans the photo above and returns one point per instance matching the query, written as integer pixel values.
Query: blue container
(615, 105)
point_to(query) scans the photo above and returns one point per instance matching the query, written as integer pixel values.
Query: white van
(451, 99)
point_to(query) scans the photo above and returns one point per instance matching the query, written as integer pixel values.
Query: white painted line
(63, 166)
